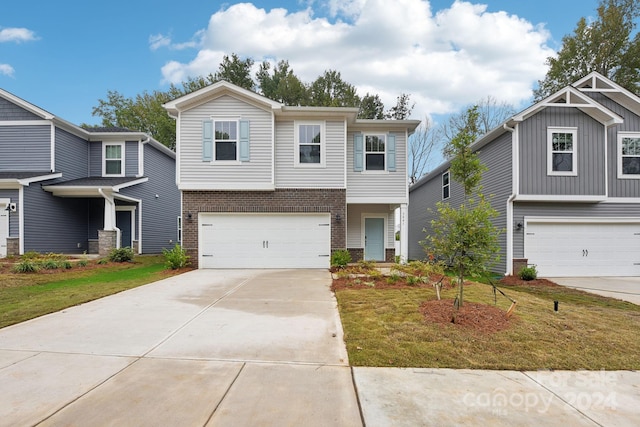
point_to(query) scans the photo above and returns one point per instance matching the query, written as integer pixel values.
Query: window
(445, 185)
(309, 140)
(374, 152)
(226, 140)
(180, 229)
(629, 156)
(561, 154)
(113, 155)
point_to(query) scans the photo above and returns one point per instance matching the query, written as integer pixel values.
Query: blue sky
(63, 56)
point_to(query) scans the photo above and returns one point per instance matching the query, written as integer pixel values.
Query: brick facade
(357, 254)
(333, 201)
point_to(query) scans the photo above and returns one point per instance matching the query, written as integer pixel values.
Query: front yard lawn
(388, 324)
(24, 296)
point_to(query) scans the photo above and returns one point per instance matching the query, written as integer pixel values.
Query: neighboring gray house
(565, 177)
(267, 185)
(64, 189)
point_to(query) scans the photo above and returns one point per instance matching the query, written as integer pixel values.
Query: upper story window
(113, 159)
(561, 151)
(446, 185)
(629, 155)
(226, 140)
(374, 152)
(309, 142)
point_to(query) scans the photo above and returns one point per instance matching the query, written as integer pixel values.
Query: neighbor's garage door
(264, 240)
(583, 249)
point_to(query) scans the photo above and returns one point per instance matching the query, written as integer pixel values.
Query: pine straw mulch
(480, 318)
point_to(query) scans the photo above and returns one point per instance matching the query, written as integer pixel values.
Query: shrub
(66, 264)
(413, 280)
(528, 273)
(340, 258)
(103, 261)
(49, 264)
(31, 255)
(121, 255)
(176, 257)
(83, 263)
(393, 278)
(25, 266)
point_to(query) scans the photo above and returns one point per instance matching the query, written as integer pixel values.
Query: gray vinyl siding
(496, 186)
(10, 111)
(258, 170)
(533, 154)
(159, 215)
(378, 185)
(25, 148)
(62, 228)
(95, 158)
(583, 210)
(619, 187)
(330, 176)
(131, 158)
(14, 218)
(354, 223)
(95, 221)
(71, 155)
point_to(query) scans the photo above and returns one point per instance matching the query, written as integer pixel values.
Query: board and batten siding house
(564, 175)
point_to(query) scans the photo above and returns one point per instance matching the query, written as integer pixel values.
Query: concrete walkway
(262, 348)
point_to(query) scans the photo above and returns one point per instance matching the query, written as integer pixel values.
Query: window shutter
(207, 141)
(391, 152)
(357, 152)
(244, 140)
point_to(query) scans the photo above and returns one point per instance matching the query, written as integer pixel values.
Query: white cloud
(157, 41)
(444, 60)
(6, 70)
(16, 35)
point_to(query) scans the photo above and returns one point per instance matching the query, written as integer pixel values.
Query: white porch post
(110, 215)
(404, 234)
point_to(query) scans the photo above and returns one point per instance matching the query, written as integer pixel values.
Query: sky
(65, 56)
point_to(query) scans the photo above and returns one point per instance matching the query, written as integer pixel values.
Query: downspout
(511, 198)
(110, 215)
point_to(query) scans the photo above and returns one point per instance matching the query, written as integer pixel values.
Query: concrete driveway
(623, 288)
(223, 348)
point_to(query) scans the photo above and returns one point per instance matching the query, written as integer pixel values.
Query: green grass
(25, 296)
(384, 327)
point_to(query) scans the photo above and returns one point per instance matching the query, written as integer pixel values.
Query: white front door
(597, 248)
(264, 240)
(4, 229)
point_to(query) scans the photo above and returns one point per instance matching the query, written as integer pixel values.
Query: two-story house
(65, 189)
(564, 175)
(273, 186)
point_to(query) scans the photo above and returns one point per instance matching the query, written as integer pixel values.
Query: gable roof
(91, 134)
(596, 82)
(570, 96)
(215, 90)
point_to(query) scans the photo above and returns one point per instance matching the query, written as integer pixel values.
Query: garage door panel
(265, 240)
(583, 249)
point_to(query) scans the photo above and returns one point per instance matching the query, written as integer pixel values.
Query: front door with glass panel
(374, 239)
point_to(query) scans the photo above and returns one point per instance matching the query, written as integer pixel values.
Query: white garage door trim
(264, 240)
(574, 246)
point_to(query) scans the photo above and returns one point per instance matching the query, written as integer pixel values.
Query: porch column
(404, 234)
(110, 216)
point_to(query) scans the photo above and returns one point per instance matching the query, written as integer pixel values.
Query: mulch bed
(516, 281)
(482, 318)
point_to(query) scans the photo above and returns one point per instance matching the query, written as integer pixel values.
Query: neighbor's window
(629, 156)
(180, 229)
(445, 185)
(226, 140)
(374, 152)
(113, 159)
(309, 144)
(561, 155)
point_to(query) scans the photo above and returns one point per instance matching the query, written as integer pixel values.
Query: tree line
(145, 113)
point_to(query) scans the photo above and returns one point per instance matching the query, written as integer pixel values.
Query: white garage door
(563, 249)
(264, 240)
